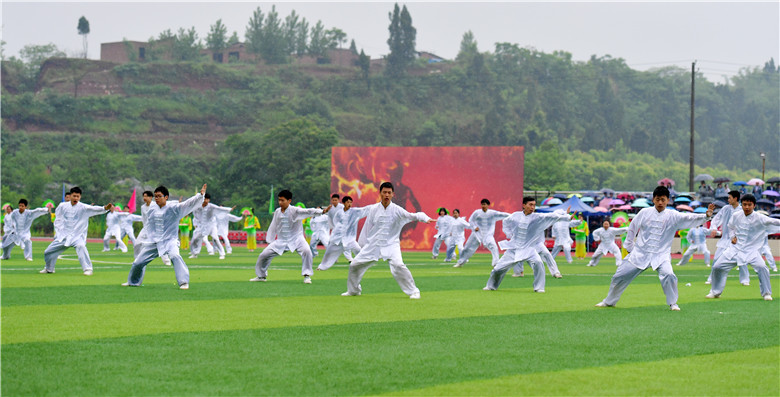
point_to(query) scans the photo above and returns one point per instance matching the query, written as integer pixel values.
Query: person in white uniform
(649, 243)
(380, 239)
(523, 229)
(721, 220)
(21, 220)
(285, 233)
(483, 226)
(73, 232)
(223, 227)
(697, 238)
(320, 232)
(163, 237)
(562, 234)
(746, 229)
(766, 252)
(344, 235)
(113, 229)
(205, 218)
(442, 231)
(456, 236)
(606, 235)
(126, 226)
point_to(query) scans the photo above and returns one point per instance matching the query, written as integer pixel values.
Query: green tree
(216, 41)
(468, 47)
(83, 29)
(353, 47)
(233, 39)
(401, 42)
(273, 46)
(302, 38)
(318, 43)
(336, 37)
(186, 46)
(364, 62)
(254, 32)
(545, 168)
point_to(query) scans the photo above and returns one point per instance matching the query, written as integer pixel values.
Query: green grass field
(69, 334)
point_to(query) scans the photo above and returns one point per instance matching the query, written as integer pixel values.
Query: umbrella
(764, 202)
(666, 181)
(605, 202)
(719, 203)
(722, 179)
(624, 207)
(700, 210)
(771, 193)
(617, 202)
(755, 181)
(740, 183)
(640, 203)
(773, 179)
(600, 209)
(551, 201)
(560, 196)
(694, 203)
(703, 177)
(607, 191)
(588, 199)
(682, 199)
(777, 204)
(706, 200)
(573, 194)
(574, 204)
(683, 207)
(624, 196)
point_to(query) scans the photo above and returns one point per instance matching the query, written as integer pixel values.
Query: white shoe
(192, 256)
(105, 250)
(557, 275)
(350, 294)
(678, 263)
(590, 264)
(673, 307)
(184, 286)
(707, 282)
(541, 291)
(774, 270)
(211, 253)
(746, 284)
(166, 260)
(712, 296)
(229, 251)
(488, 289)
(87, 272)
(30, 260)
(521, 274)
(125, 284)
(307, 279)
(124, 251)
(44, 271)
(416, 295)
(258, 279)
(603, 304)
(457, 265)
(222, 257)
(767, 297)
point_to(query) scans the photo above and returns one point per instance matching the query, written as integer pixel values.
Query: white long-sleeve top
(22, 222)
(650, 235)
(57, 219)
(561, 232)
(206, 217)
(332, 214)
(698, 235)
(286, 229)
(113, 222)
(749, 231)
(486, 222)
(345, 224)
(9, 226)
(721, 219)
(381, 235)
(457, 230)
(223, 220)
(526, 232)
(75, 221)
(608, 235)
(320, 224)
(162, 223)
(443, 226)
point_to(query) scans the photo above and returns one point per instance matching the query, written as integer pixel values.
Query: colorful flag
(271, 201)
(131, 203)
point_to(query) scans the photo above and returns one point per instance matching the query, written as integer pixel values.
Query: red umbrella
(617, 202)
(683, 207)
(666, 181)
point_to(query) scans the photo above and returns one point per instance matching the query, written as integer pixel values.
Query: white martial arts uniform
(223, 227)
(649, 242)
(697, 237)
(486, 222)
(204, 219)
(20, 232)
(72, 233)
(113, 228)
(523, 232)
(162, 238)
(456, 237)
(285, 233)
(562, 234)
(320, 232)
(766, 252)
(380, 239)
(607, 246)
(721, 219)
(749, 231)
(442, 231)
(126, 226)
(343, 237)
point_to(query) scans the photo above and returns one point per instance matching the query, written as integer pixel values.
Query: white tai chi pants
(321, 236)
(547, 259)
(744, 273)
(453, 243)
(265, 257)
(627, 272)
(471, 247)
(566, 251)
(722, 266)
(8, 245)
(606, 248)
(361, 263)
(437, 246)
(694, 248)
(202, 238)
(767, 253)
(117, 234)
(507, 261)
(57, 247)
(146, 254)
(333, 251)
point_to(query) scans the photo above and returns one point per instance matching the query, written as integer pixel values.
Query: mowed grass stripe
(102, 320)
(382, 357)
(707, 375)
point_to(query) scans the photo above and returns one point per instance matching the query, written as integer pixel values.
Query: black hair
(660, 191)
(67, 193)
(334, 195)
(734, 193)
(386, 185)
(344, 200)
(207, 196)
(526, 199)
(285, 194)
(148, 193)
(162, 189)
(442, 209)
(75, 189)
(485, 201)
(456, 210)
(749, 197)
(24, 201)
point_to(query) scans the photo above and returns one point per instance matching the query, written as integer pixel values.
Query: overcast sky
(721, 36)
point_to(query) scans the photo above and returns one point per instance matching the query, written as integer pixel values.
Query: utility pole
(690, 170)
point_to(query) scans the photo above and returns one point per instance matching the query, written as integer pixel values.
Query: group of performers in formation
(648, 238)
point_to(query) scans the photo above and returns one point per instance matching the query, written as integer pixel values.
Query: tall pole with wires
(690, 169)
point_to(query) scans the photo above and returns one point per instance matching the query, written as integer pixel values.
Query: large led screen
(426, 178)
